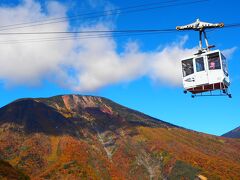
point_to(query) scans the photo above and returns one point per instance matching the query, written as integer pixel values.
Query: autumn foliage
(85, 137)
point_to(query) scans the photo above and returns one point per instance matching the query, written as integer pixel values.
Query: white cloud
(80, 64)
(29, 63)
(166, 63)
(100, 64)
(229, 52)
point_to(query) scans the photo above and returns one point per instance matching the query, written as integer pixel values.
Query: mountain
(82, 137)
(233, 134)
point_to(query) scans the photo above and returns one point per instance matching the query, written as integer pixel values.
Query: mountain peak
(235, 133)
(75, 104)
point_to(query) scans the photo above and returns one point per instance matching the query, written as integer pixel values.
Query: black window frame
(215, 58)
(187, 68)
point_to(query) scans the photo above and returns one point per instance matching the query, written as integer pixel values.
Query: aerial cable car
(206, 71)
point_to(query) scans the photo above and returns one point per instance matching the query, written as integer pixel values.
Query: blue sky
(156, 94)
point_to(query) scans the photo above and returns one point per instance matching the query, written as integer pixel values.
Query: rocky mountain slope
(78, 137)
(233, 134)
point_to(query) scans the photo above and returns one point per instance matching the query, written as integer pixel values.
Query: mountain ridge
(43, 99)
(235, 133)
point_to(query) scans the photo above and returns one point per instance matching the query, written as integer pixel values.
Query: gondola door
(201, 73)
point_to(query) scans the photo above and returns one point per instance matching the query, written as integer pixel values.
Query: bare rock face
(82, 137)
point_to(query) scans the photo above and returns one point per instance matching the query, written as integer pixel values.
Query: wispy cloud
(229, 52)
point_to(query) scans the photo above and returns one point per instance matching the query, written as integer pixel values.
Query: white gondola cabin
(205, 72)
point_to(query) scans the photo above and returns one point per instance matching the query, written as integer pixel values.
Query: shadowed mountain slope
(233, 134)
(36, 117)
(8, 172)
(82, 137)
